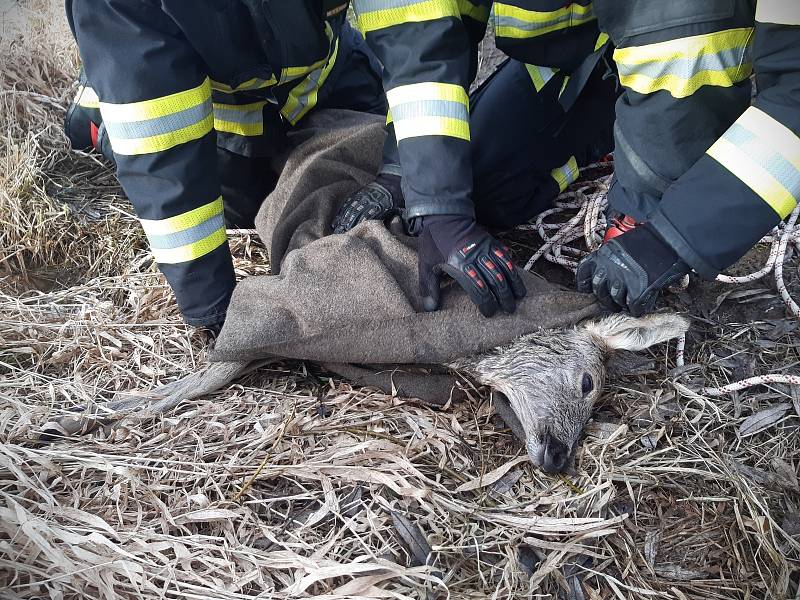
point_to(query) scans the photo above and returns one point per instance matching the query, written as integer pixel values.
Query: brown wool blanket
(351, 302)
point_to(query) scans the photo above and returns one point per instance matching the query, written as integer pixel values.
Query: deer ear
(623, 332)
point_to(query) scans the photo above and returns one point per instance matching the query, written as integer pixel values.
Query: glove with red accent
(83, 124)
(629, 271)
(480, 264)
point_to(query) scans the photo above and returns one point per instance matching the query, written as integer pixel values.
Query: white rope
(588, 226)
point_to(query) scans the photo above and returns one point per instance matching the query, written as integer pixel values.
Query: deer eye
(587, 384)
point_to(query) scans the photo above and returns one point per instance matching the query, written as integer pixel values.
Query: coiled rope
(561, 245)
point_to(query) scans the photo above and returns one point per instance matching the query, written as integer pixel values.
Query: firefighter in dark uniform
(703, 168)
(191, 99)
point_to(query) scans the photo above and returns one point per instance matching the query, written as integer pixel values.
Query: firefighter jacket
(174, 79)
(711, 165)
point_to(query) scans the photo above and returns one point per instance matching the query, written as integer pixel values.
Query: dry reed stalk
(667, 500)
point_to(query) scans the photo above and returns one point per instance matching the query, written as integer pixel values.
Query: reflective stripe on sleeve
(161, 123)
(380, 14)
(86, 97)
(187, 236)
(566, 174)
(540, 75)
(239, 119)
(780, 12)
(514, 22)
(474, 9)
(429, 108)
(765, 155)
(684, 65)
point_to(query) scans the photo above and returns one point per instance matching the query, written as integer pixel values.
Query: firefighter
(703, 168)
(192, 99)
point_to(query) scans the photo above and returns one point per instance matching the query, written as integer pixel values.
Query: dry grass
(345, 491)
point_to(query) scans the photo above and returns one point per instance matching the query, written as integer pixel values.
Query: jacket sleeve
(155, 100)
(749, 180)
(425, 50)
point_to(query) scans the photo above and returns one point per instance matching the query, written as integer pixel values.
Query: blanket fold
(354, 298)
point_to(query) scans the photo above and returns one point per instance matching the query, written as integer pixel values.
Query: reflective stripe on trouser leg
(155, 125)
(684, 65)
(380, 14)
(239, 119)
(429, 108)
(187, 236)
(765, 155)
(566, 174)
(513, 22)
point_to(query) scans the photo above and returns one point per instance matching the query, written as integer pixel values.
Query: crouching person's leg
(526, 149)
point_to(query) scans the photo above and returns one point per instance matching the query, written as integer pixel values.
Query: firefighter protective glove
(381, 199)
(465, 251)
(628, 272)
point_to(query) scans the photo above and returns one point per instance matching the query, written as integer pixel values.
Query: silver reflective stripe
(430, 108)
(230, 112)
(504, 21)
(363, 6)
(311, 84)
(187, 236)
(130, 130)
(776, 165)
(685, 68)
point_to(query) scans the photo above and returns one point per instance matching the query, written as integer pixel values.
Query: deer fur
(542, 374)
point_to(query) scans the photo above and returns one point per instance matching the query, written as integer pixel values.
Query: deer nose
(556, 455)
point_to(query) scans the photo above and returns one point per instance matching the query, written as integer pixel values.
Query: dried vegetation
(293, 484)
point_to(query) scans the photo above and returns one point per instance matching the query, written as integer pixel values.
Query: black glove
(629, 271)
(475, 259)
(380, 199)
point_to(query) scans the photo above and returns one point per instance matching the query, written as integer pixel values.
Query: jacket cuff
(673, 237)
(463, 208)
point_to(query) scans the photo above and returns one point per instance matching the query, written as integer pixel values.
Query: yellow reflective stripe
(477, 12)
(403, 12)
(429, 108)
(563, 86)
(303, 97)
(427, 90)
(684, 65)
(566, 174)
(164, 141)
(291, 73)
(540, 75)
(239, 119)
(250, 84)
(515, 22)
(157, 107)
(601, 40)
(683, 48)
(765, 155)
(682, 88)
(422, 126)
(191, 251)
(780, 12)
(183, 221)
(86, 97)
